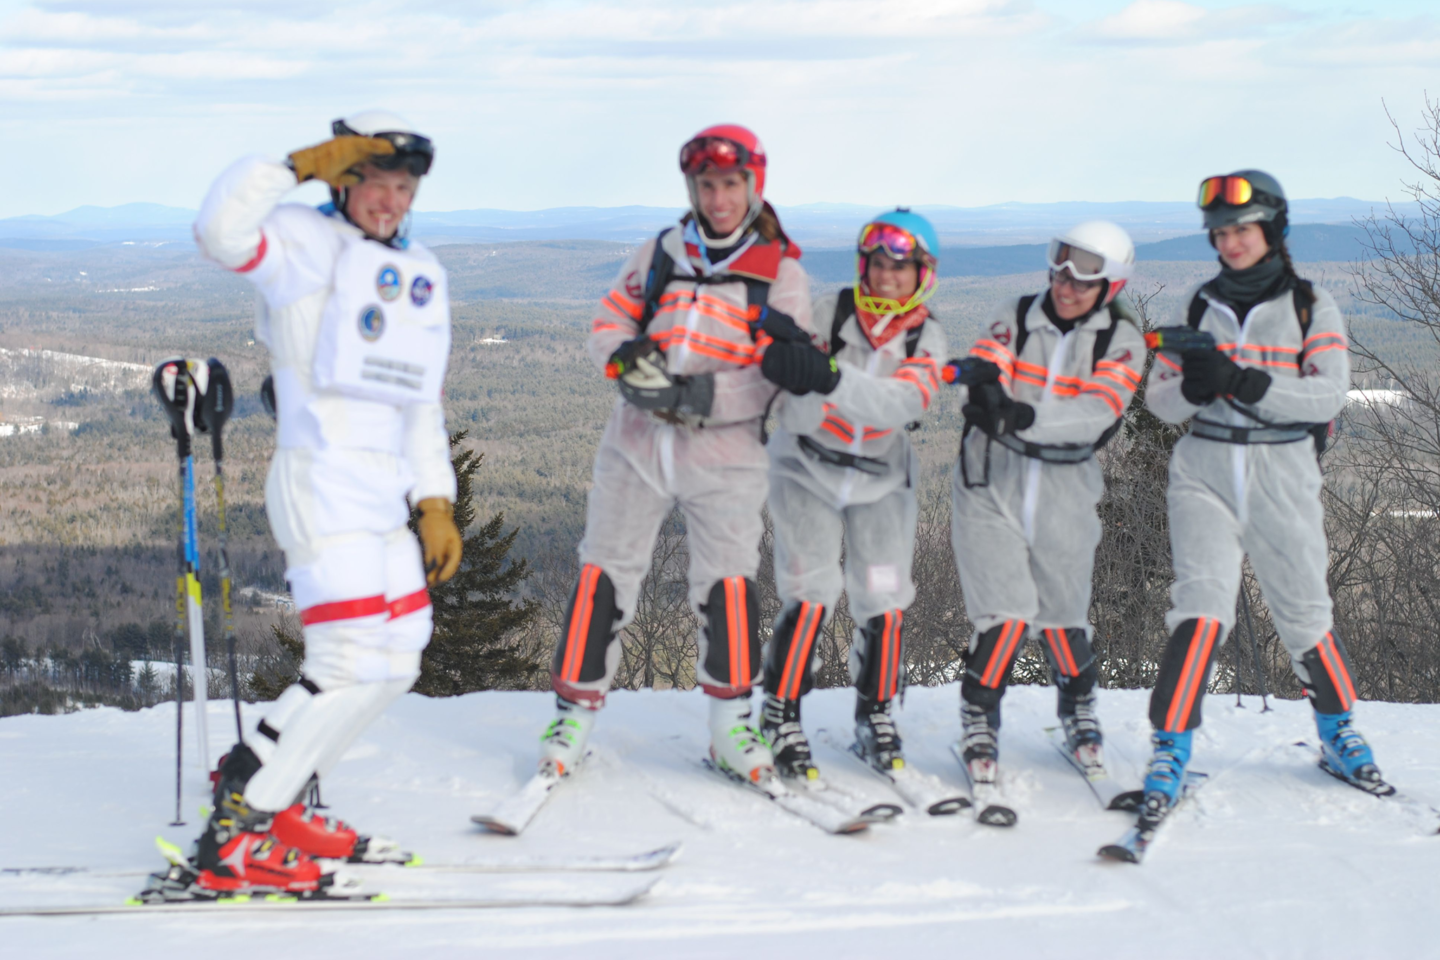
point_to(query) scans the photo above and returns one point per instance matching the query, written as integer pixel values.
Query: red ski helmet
(726, 147)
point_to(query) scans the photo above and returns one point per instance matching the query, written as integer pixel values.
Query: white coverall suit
(359, 430)
(1025, 541)
(880, 392)
(715, 471)
(1227, 500)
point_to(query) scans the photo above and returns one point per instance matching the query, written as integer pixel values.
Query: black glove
(782, 326)
(799, 367)
(995, 412)
(639, 367)
(1209, 373)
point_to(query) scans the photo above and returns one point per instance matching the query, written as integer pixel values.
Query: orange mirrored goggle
(1235, 191)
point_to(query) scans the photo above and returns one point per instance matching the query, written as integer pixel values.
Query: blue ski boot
(1345, 754)
(1166, 777)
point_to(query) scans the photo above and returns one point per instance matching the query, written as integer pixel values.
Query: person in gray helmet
(1246, 479)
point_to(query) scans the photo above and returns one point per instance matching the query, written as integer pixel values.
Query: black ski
(985, 794)
(1131, 847)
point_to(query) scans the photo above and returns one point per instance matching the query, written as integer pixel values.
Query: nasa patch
(420, 291)
(387, 283)
(372, 324)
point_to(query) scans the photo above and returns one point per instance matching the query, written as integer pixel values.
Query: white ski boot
(562, 745)
(735, 746)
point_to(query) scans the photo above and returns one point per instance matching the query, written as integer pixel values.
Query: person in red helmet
(682, 332)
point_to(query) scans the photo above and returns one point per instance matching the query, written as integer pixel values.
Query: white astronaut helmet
(1095, 250)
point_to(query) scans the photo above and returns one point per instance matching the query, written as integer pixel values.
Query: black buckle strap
(1223, 433)
(837, 458)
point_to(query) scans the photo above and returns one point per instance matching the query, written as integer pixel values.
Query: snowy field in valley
(1272, 859)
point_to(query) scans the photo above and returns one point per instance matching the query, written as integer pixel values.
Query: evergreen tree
(473, 611)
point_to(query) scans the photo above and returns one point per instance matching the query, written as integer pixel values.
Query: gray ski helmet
(1267, 206)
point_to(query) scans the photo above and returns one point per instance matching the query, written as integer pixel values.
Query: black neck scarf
(1243, 289)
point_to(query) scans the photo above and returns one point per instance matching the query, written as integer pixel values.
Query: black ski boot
(981, 734)
(780, 725)
(875, 734)
(1082, 725)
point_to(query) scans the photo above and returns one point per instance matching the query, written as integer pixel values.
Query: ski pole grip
(216, 405)
(172, 387)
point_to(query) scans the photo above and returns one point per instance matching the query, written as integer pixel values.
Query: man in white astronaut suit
(356, 317)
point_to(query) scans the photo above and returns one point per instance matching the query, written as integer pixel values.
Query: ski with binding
(603, 863)
(922, 791)
(985, 796)
(1091, 767)
(1131, 847)
(771, 787)
(287, 903)
(514, 813)
(1426, 815)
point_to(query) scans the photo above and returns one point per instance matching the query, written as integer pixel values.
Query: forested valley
(89, 494)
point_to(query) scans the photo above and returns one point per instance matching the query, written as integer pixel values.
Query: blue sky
(562, 102)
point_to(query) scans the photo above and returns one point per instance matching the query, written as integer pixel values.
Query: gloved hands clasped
(638, 366)
(1209, 373)
(792, 361)
(990, 408)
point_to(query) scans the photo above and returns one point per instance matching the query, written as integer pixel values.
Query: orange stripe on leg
(1192, 678)
(580, 623)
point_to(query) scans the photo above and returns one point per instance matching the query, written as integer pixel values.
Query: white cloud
(1173, 21)
(558, 102)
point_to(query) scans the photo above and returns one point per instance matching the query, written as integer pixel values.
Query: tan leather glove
(330, 161)
(439, 539)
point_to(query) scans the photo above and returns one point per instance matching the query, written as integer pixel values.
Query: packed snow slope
(1271, 859)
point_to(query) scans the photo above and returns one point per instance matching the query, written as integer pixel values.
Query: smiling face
(380, 201)
(1240, 245)
(891, 279)
(724, 199)
(1073, 298)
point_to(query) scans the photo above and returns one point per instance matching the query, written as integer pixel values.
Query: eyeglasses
(1059, 277)
(721, 153)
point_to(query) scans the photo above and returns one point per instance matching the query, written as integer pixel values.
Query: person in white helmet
(1048, 381)
(356, 317)
(683, 332)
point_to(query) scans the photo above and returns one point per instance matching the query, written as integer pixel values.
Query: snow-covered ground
(1271, 859)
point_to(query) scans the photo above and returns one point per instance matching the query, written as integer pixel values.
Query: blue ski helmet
(900, 235)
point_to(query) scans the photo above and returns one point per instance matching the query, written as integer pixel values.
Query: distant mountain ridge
(813, 225)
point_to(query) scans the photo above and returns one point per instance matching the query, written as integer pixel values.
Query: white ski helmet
(413, 151)
(1095, 250)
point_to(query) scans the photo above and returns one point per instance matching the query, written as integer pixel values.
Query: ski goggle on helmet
(413, 152)
(1094, 250)
(1233, 190)
(899, 235)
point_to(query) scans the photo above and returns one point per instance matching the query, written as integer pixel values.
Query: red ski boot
(330, 839)
(237, 852)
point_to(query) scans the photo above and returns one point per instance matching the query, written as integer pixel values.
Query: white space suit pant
(366, 617)
(625, 510)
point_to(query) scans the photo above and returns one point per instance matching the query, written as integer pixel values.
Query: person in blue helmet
(841, 463)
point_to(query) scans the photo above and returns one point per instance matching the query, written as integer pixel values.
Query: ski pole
(1255, 650)
(215, 408)
(172, 389)
(194, 602)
